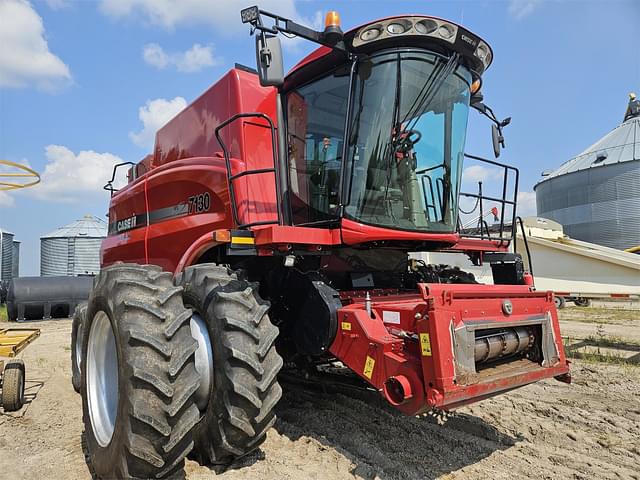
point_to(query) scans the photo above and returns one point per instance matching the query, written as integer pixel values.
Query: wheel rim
(204, 359)
(102, 378)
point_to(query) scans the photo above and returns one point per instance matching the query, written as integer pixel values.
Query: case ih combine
(272, 226)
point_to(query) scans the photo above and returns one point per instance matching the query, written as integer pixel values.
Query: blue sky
(85, 83)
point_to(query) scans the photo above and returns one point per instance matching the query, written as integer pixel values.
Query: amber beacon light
(332, 31)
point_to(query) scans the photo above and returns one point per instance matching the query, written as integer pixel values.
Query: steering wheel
(413, 136)
(407, 140)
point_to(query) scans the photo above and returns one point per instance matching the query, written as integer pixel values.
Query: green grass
(3, 314)
(610, 341)
(598, 315)
(598, 356)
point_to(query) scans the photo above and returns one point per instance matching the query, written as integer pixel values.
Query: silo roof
(88, 226)
(622, 144)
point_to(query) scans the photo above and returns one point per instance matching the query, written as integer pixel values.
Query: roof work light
(456, 37)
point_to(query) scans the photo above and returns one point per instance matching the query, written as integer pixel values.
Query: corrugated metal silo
(73, 249)
(16, 259)
(6, 255)
(596, 195)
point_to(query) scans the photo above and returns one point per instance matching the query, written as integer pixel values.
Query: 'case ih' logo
(469, 40)
(126, 224)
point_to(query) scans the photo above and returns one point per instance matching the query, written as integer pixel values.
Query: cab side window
(315, 120)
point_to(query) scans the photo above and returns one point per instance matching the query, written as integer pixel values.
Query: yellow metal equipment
(26, 177)
(14, 340)
(12, 375)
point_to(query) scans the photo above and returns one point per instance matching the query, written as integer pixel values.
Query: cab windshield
(406, 141)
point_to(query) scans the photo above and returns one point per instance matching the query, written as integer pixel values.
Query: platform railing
(504, 231)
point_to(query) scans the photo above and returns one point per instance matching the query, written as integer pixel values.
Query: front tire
(243, 385)
(138, 375)
(77, 331)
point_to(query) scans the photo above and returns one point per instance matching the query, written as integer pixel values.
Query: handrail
(504, 201)
(109, 185)
(526, 245)
(231, 177)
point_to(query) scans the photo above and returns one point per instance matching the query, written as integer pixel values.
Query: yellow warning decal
(368, 367)
(346, 326)
(425, 344)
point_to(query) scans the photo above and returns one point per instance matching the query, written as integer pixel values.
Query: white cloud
(69, 177)
(479, 173)
(58, 4)
(315, 22)
(193, 60)
(522, 8)
(6, 200)
(527, 204)
(25, 58)
(154, 55)
(153, 115)
(222, 14)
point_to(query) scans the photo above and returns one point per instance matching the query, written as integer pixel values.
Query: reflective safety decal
(346, 326)
(243, 240)
(425, 344)
(391, 317)
(368, 367)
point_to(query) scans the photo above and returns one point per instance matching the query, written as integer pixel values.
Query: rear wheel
(13, 385)
(138, 375)
(240, 388)
(77, 331)
(582, 302)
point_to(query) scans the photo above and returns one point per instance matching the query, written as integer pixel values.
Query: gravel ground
(590, 429)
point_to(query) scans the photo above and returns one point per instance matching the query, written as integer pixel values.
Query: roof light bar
(435, 28)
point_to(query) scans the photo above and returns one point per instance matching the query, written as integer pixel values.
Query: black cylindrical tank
(33, 298)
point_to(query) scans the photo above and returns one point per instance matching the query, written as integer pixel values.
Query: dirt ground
(587, 430)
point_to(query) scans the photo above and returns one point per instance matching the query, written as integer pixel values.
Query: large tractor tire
(13, 385)
(77, 331)
(237, 361)
(138, 375)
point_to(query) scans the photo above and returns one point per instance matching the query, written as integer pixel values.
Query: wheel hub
(102, 378)
(204, 359)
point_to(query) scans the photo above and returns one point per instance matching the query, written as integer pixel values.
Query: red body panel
(187, 162)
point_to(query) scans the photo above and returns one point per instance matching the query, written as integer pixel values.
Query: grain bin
(6, 255)
(16, 259)
(73, 249)
(596, 195)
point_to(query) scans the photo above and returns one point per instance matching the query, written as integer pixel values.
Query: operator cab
(376, 125)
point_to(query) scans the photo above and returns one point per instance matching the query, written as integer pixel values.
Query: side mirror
(497, 139)
(269, 60)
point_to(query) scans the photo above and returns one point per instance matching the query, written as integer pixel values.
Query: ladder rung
(252, 172)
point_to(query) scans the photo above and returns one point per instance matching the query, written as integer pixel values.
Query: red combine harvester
(273, 225)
